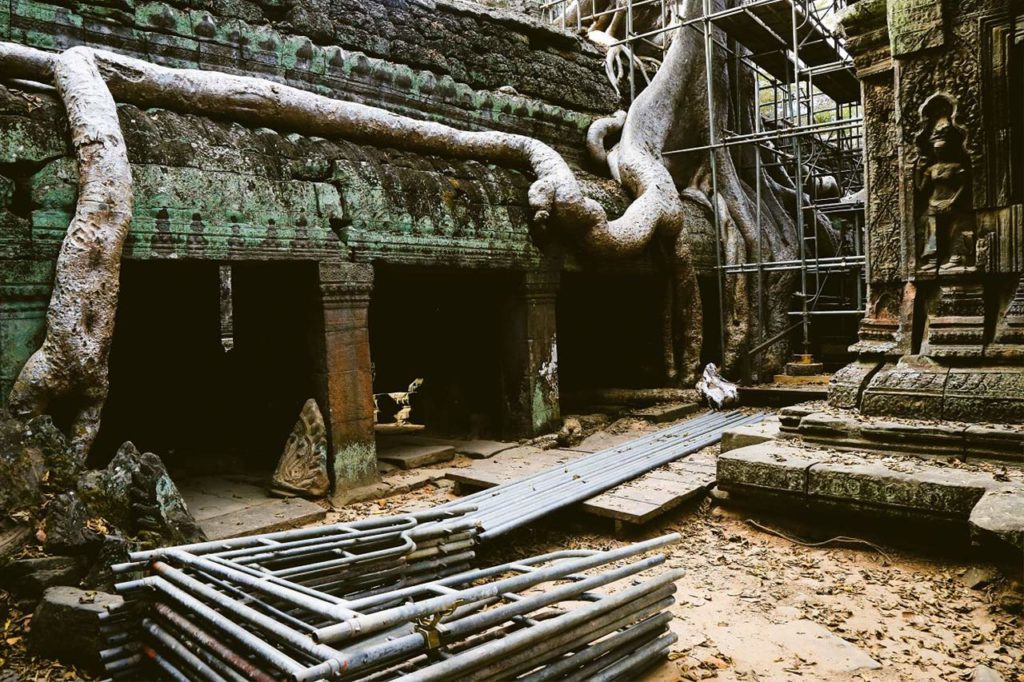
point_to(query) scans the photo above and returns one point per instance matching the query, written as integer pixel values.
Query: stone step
(412, 456)
(896, 489)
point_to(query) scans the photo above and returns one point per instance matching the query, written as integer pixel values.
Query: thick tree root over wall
(72, 363)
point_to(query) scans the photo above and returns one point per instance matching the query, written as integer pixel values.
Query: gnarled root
(71, 364)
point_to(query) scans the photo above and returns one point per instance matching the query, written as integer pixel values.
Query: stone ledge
(850, 430)
(888, 488)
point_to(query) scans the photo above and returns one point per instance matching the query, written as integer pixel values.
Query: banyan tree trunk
(674, 112)
(71, 364)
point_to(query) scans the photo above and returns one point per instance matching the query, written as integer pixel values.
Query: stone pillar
(530, 356)
(346, 382)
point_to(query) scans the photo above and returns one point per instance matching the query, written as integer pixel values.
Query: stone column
(346, 382)
(530, 356)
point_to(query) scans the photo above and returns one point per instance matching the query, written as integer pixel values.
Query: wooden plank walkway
(633, 503)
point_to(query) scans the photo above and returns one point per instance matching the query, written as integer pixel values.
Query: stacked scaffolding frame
(809, 122)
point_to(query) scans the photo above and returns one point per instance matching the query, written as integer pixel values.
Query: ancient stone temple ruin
(942, 334)
(336, 336)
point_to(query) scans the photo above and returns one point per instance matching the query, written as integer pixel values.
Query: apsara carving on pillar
(942, 180)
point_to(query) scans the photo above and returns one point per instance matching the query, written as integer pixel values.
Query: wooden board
(634, 502)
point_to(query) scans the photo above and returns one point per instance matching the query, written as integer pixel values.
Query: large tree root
(71, 364)
(672, 113)
(63, 368)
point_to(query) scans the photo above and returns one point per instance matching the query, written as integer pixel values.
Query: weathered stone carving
(302, 469)
(943, 183)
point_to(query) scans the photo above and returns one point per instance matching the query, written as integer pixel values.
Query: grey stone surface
(752, 434)
(665, 413)
(412, 456)
(1000, 515)
(30, 577)
(890, 488)
(65, 625)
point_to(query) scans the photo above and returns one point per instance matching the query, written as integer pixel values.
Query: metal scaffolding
(809, 125)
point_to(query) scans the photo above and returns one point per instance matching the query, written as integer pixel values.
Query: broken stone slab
(30, 577)
(999, 516)
(482, 449)
(769, 468)
(660, 414)
(302, 469)
(791, 415)
(977, 577)
(767, 429)
(890, 488)
(413, 456)
(66, 624)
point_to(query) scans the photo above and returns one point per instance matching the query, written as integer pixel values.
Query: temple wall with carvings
(216, 192)
(942, 336)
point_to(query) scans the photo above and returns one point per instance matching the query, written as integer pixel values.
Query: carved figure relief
(942, 179)
(302, 469)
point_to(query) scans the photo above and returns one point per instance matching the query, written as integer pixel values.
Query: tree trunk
(71, 364)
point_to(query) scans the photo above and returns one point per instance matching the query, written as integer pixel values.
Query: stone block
(994, 442)
(769, 467)
(790, 417)
(911, 388)
(846, 385)
(984, 394)
(912, 489)
(999, 517)
(66, 624)
(412, 456)
(31, 577)
(660, 414)
(752, 434)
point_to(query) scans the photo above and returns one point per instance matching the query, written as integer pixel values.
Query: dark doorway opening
(177, 391)
(610, 331)
(446, 329)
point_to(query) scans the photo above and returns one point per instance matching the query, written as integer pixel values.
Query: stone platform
(847, 429)
(900, 492)
(229, 506)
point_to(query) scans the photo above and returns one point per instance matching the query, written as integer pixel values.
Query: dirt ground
(757, 607)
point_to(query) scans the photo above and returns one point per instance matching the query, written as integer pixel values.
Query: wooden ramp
(631, 504)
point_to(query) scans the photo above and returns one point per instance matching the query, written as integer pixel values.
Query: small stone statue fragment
(302, 469)
(716, 389)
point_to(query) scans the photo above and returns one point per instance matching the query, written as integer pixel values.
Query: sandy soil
(755, 606)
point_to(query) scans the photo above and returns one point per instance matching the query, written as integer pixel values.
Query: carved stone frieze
(957, 329)
(302, 469)
(913, 387)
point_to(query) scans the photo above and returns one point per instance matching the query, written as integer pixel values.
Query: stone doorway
(205, 398)
(609, 331)
(445, 328)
